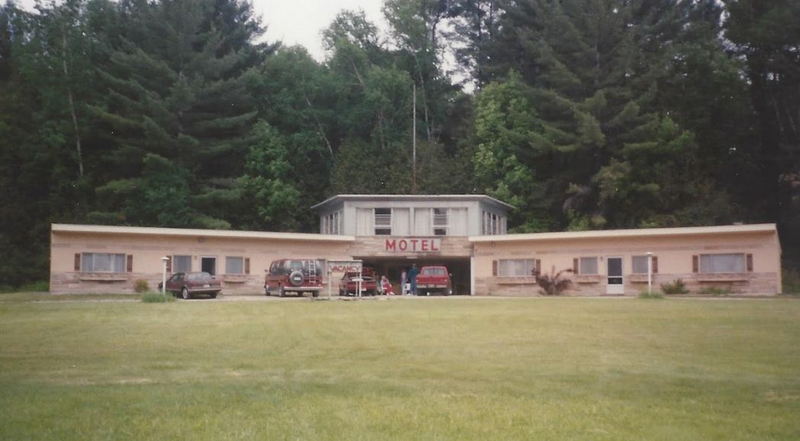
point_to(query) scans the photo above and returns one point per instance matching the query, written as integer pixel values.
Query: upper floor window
(492, 223)
(331, 223)
(102, 262)
(440, 221)
(722, 263)
(383, 221)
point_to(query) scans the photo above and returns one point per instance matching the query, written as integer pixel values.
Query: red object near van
(294, 276)
(434, 279)
(348, 285)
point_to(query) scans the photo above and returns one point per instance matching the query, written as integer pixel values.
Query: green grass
(421, 369)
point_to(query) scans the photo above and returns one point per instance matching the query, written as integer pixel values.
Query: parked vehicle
(348, 285)
(434, 279)
(190, 284)
(294, 276)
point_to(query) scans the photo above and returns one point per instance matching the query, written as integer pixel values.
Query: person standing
(412, 277)
(403, 280)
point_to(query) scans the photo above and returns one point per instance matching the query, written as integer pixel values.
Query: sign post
(164, 261)
(343, 266)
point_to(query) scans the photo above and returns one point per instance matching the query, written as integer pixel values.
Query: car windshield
(198, 277)
(434, 271)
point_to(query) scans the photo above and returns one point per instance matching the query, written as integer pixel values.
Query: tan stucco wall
(674, 261)
(674, 254)
(147, 251)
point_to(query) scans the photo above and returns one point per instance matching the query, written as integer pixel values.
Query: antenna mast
(414, 140)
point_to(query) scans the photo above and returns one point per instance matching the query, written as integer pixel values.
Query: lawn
(421, 369)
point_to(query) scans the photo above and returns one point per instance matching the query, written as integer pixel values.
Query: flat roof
(153, 231)
(412, 197)
(639, 232)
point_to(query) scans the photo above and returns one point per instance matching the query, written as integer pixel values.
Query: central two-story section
(395, 231)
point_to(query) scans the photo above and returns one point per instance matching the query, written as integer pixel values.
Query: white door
(616, 283)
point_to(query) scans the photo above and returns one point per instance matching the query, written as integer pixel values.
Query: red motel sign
(413, 245)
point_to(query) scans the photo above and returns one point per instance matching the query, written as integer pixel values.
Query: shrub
(141, 286)
(676, 287)
(157, 297)
(714, 291)
(791, 281)
(651, 295)
(553, 284)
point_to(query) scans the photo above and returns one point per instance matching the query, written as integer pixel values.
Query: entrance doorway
(393, 268)
(208, 265)
(616, 283)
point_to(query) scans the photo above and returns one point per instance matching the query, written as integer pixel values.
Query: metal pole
(649, 272)
(414, 141)
(164, 274)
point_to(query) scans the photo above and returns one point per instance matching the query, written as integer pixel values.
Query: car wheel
(185, 294)
(214, 295)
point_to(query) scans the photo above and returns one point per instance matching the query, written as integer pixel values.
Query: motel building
(466, 233)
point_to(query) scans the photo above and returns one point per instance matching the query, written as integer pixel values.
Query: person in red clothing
(386, 286)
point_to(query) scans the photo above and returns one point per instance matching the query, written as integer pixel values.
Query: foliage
(157, 297)
(674, 287)
(651, 295)
(585, 114)
(553, 284)
(141, 286)
(791, 281)
(714, 291)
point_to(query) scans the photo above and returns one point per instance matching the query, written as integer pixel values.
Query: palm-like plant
(553, 284)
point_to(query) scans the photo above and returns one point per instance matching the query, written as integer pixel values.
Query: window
(587, 265)
(102, 263)
(234, 265)
(181, 264)
(434, 271)
(492, 223)
(440, 221)
(383, 221)
(639, 264)
(722, 263)
(331, 223)
(516, 267)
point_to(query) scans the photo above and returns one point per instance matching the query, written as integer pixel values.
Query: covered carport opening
(393, 267)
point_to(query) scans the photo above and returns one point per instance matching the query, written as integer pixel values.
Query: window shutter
(247, 265)
(130, 263)
(77, 261)
(537, 270)
(169, 264)
(749, 263)
(695, 264)
(575, 266)
(655, 264)
(494, 267)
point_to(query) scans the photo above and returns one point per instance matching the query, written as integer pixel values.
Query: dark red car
(348, 285)
(434, 279)
(295, 276)
(190, 284)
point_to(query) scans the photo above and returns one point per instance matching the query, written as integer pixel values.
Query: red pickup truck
(434, 279)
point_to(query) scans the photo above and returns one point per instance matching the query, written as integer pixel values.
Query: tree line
(583, 114)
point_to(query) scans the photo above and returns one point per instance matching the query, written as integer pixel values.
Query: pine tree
(606, 154)
(177, 87)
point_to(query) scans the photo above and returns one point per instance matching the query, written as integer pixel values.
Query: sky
(300, 21)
